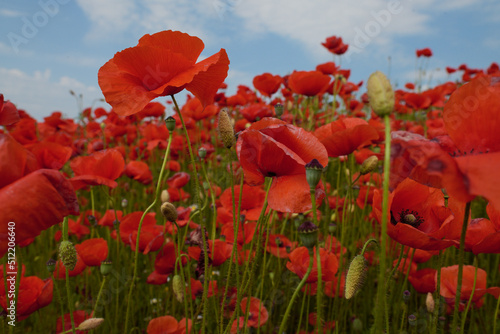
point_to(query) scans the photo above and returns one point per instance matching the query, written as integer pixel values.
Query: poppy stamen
(410, 217)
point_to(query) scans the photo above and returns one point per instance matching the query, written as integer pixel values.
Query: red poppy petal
(176, 42)
(8, 112)
(291, 193)
(162, 325)
(93, 251)
(15, 160)
(35, 203)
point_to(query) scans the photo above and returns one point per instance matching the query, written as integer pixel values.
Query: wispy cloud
(10, 13)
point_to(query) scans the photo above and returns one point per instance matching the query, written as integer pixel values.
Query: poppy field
(304, 204)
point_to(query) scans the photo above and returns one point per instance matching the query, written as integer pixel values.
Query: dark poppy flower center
(271, 174)
(409, 217)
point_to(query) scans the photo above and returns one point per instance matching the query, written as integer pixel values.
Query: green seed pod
(170, 123)
(308, 233)
(355, 276)
(51, 265)
(380, 94)
(178, 288)
(279, 109)
(67, 254)
(106, 267)
(225, 128)
(313, 173)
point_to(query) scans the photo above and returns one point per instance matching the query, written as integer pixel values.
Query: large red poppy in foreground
(161, 64)
(466, 161)
(273, 148)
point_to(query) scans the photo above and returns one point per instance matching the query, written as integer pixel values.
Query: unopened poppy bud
(356, 276)
(368, 165)
(380, 94)
(429, 303)
(178, 288)
(90, 324)
(357, 325)
(67, 254)
(106, 267)
(279, 109)
(170, 123)
(313, 173)
(51, 265)
(202, 152)
(169, 211)
(102, 125)
(225, 128)
(308, 233)
(165, 196)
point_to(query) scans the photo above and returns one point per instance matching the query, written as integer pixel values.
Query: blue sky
(49, 47)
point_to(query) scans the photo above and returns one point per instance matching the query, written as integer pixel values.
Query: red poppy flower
(257, 316)
(151, 237)
(15, 160)
(168, 325)
(78, 316)
(166, 258)
(419, 218)
(483, 235)
(220, 251)
(272, 148)
(299, 262)
(60, 272)
(93, 251)
(195, 110)
(8, 112)
(109, 218)
(178, 180)
(139, 171)
(245, 232)
(424, 53)
(156, 278)
(335, 45)
(448, 288)
(267, 84)
(308, 83)
(161, 64)
(102, 167)
(327, 68)
(50, 155)
(34, 294)
(417, 101)
(26, 202)
(279, 245)
(252, 200)
(346, 135)
(465, 165)
(256, 111)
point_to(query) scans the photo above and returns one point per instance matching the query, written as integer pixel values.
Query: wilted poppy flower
(267, 84)
(308, 83)
(299, 262)
(8, 112)
(418, 217)
(346, 135)
(273, 148)
(161, 64)
(139, 171)
(335, 45)
(102, 167)
(424, 53)
(257, 316)
(34, 294)
(168, 325)
(465, 165)
(151, 236)
(448, 289)
(93, 251)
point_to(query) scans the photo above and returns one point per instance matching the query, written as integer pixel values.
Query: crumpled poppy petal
(15, 160)
(291, 193)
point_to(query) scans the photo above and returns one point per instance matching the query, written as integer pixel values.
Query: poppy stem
(461, 255)
(150, 207)
(381, 298)
(99, 296)
(318, 259)
(438, 293)
(464, 316)
(296, 292)
(68, 292)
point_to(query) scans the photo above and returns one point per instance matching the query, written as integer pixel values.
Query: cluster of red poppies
(102, 171)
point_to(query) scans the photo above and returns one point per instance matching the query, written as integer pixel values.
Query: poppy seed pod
(279, 109)
(106, 267)
(169, 211)
(308, 233)
(51, 265)
(170, 123)
(89, 324)
(355, 276)
(67, 254)
(380, 94)
(225, 128)
(368, 165)
(313, 173)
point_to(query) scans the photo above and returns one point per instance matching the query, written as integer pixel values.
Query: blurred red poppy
(465, 165)
(93, 251)
(168, 325)
(448, 288)
(161, 64)
(424, 53)
(308, 83)
(267, 84)
(99, 168)
(419, 218)
(423, 280)
(273, 148)
(151, 237)
(346, 135)
(34, 294)
(335, 45)
(178, 180)
(8, 112)
(139, 171)
(60, 272)
(78, 316)
(299, 261)
(257, 316)
(220, 251)
(483, 235)
(50, 155)
(166, 258)
(252, 200)
(256, 111)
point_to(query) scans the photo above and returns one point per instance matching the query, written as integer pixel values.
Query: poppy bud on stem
(225, 128)
(380, 94)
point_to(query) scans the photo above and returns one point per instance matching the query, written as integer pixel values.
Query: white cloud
(40, 94)
(10, 13)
